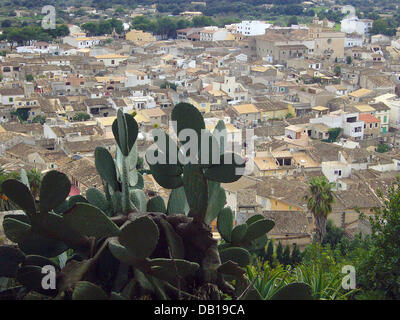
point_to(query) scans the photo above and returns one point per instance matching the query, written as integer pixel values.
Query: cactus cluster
(117, 244)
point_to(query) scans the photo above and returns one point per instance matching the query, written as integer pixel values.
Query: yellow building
(247, 112)
(201, 103)
(139, 36)
(275, 204)
(272, 109)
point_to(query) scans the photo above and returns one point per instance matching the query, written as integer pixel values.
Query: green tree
(269, 256)
(34, 178)
(167, 84)
(334, 235)
(319, 201)
(296, 256)
(81, 116)
(90, 28)
(29, 78)
(286, 256)
(382, 148)
(379, 271)
(381, 26)
(292, 21)
(39, 119)
(333, 134)
(337, 70)
(279, 253)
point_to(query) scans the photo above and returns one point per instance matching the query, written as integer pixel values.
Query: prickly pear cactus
(118, 244)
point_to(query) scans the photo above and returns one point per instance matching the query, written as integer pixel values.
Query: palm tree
(35, 178)
(319, 202)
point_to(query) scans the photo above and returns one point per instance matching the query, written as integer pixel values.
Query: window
(10, 99)
(376, 125)
(338, 172)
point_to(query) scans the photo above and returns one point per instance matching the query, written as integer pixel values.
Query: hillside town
(321, 101)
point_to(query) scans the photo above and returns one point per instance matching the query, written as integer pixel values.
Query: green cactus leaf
(165, 169)
(133, 178)
(294, 291)
(165, 143)
(225, 223)
(75, 199)
(140, 182)
(168, 182)
(24, 178)
(187, 116)
(20, 217)
(216, 201)
(238, 233)
(231, 268)
(257, 244)
(177, 203)
(221, 135)
(125, 130)
(252, 294)
(69, 204)
(223, 246)
(258, 229)
(156, 204)
(138, 198)
(39, 261)
(254, 218)
(63, 207)
(132, 158)
(20, 194)
(31, 277)
(105, 166)
(209, 153)
(116, 296)
(51, 197)
(53, 226)
(170, 270)
(90, 221)
(239, 255)
(132, 236)
(10, 258)
(174, 240)
(120, 252)
(15, 230)
(85, 290)
(39, 245)
(196, 190)
(116, 199)
(229, 170)
(98, 199)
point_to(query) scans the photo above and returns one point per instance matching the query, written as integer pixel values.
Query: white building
(213, 34)
(349, 122)
(83, 42)
(353, 40)
(335, 170)
(136, 78)
(353, 24)
(111, 60)
(252, 28)
(393, 102)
